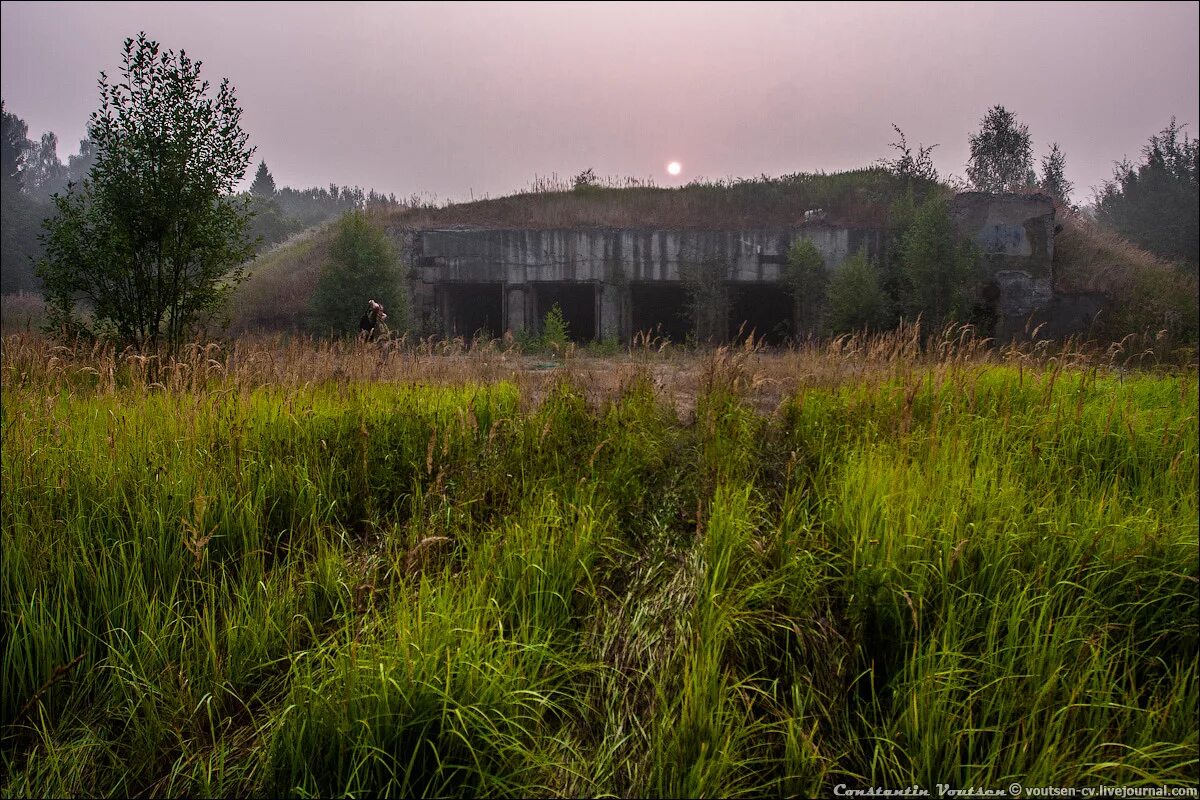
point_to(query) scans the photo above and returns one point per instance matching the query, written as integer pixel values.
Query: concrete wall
(1012, 231)
(610, 259)
(1015, 235)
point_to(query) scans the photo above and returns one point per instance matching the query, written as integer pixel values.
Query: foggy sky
(449, 99)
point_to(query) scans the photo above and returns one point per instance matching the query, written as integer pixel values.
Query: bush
(806, 277)
(555, 335)
(362, 266)
(935, 267)
(856, 298)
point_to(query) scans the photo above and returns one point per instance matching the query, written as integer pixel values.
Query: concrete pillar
(442, 295)
(612, 320)
(516, 311)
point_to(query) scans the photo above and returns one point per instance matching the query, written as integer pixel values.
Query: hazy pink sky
(446, 99)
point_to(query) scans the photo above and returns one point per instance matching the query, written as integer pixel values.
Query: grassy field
(282, 568)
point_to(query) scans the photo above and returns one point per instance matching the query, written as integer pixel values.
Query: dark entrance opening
(475, 309)
(661, 310)
(578, 304)
(764, 309)
(983, 310)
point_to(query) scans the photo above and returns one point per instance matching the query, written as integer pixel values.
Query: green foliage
(856, 298)
(153, 240)
(555, 335)
(22, 213)
(936, 269)
(585, 180)
(44, 174)
(20, 249)
(268, 225)
(362, 266)
(1054, 180)
(14, 147)
(907, 166)
(971, 573)
(1156, 204)
(808, 280)
(1001, 153)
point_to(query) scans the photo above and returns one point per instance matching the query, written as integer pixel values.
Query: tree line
(33, 172)
(144, 235)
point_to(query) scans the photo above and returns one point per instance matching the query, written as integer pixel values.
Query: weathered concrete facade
(1015, 236)
(610, 283)
(615, 283)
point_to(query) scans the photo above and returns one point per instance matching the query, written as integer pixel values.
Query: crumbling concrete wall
(1015, 237)
(611, 259)
(1014, 233)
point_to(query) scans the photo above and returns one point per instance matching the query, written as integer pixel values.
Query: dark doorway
(764, 309)
(578, 304)
(661, 310)
(475, 309)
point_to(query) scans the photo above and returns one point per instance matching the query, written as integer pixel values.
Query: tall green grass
(968, 574)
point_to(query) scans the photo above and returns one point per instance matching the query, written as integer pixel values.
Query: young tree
(805, 275)
(264, 184)
(362, 266)
(935, 267)
(1156, 204)
(1001, 153)
(1054, 181)
(856, 299)
(154, 238)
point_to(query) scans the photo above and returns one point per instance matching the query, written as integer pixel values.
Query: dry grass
(22, 311)
(1145, 291)
(276, 295)
(764, 376)
(1089, 258)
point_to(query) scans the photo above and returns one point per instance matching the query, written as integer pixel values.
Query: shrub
(805, 275)
(856, 298)
(361, 266)
(555, 334)
(935, 267)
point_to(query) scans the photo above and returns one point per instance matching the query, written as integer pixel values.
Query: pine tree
(264, 184)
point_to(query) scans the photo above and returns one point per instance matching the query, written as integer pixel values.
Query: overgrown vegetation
(253, 573)
(937, 267)
(145, 249)
(808, 280)
(361, 266)
(857, 197)
(1156, 203)
(857, 301)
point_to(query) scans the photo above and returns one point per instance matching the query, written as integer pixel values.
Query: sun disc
(674, 168)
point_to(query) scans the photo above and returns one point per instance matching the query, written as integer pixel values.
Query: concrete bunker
(473, 309)
(661, 309)
(766, 310)
(578, 302)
